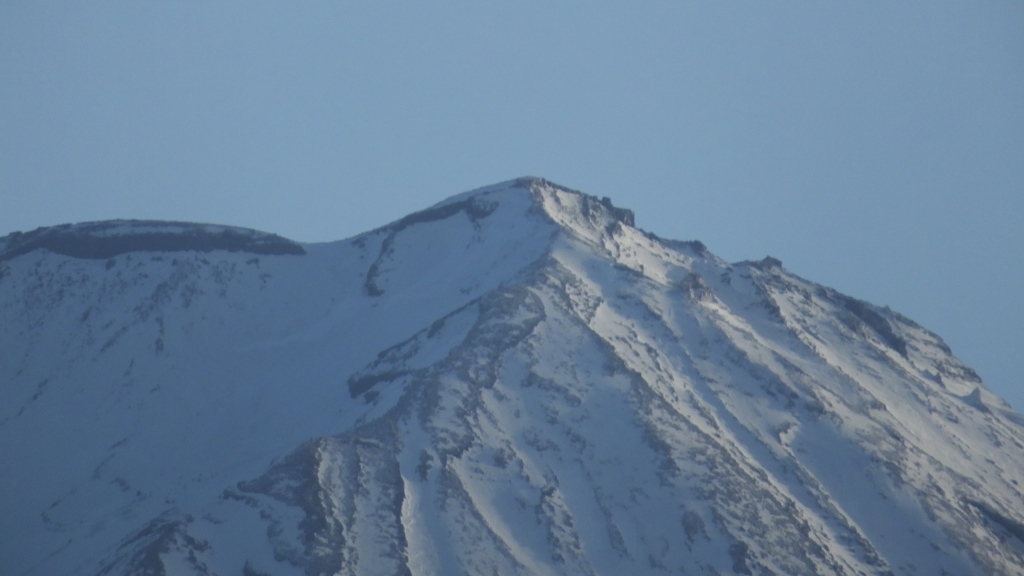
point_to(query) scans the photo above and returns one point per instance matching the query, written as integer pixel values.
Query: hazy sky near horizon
(873, 146)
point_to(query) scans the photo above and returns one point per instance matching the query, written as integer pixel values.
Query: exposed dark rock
(695, 287)
(766, 263)
(1013, 527)
(102, 240)
(867, 314)
(624, 215)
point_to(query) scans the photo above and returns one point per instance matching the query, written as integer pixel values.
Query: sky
(873, 146)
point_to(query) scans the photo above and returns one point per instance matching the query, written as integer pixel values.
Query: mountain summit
(514, 381)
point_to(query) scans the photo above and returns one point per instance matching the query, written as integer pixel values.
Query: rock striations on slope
(514, 381)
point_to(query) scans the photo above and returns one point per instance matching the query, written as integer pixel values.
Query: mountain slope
(516, 380)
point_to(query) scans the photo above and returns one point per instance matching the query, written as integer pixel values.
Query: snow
(513, 380)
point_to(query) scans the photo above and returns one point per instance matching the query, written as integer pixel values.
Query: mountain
(514, 381)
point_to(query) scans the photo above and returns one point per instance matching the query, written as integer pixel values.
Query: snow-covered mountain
(514, 381)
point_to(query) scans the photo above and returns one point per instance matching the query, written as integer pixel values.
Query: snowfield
(513, 381)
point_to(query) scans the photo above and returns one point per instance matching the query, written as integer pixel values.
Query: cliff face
(516, 380)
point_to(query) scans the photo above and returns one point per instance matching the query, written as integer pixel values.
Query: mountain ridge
(106, 239)
(515, 380)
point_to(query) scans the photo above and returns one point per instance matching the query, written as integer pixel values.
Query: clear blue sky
(874, 146)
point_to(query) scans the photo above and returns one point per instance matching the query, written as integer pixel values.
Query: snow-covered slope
(514, 381)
